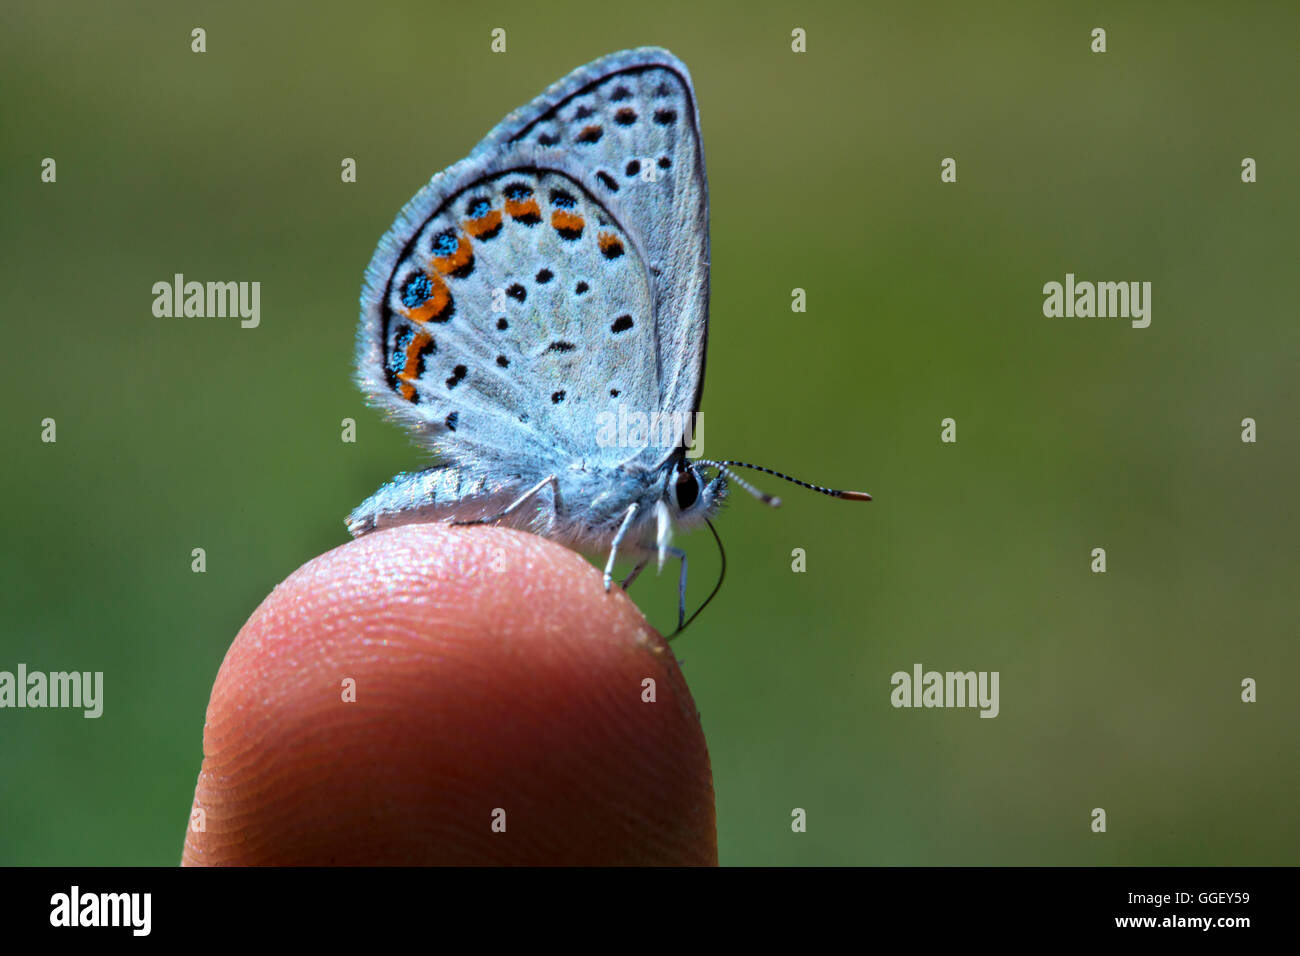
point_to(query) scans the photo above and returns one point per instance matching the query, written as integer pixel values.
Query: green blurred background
(924, 301)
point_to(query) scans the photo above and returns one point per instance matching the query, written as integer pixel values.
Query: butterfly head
(690, 496)
(689, 499)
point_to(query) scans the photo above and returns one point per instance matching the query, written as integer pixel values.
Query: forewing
(630, 121)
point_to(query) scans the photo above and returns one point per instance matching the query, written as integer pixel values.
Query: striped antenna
(725, 466)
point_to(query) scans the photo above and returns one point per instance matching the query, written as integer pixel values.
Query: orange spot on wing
(525, 210)
(611, 246)
(411, 370)
(567, 224)
(458, 260)
(435, 307)
(484, 226)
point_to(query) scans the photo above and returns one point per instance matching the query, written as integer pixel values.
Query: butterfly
(538, 296)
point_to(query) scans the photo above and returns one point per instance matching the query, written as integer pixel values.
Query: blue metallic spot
(397, 359)
(417, 290)
(445, 243)
(478, 208)
(518, 192)
(562, 200)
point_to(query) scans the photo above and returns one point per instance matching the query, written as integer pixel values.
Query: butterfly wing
(632, 121)
(513, 300)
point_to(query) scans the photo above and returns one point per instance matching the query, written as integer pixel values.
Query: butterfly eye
(687, 490)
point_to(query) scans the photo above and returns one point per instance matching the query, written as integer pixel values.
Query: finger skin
(494, 679)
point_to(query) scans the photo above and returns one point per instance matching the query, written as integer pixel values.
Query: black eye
(688, 489)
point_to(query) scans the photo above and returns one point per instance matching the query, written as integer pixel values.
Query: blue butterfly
(538, 315)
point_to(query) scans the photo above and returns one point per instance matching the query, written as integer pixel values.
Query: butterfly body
(583, 508)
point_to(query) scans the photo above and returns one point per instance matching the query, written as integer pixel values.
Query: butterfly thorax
(583, 508)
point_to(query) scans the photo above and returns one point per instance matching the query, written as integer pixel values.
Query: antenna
(724, 466)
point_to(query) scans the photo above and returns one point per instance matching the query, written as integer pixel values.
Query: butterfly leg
(515, 505)
(627, 581)
(681, 586)
(613, 548)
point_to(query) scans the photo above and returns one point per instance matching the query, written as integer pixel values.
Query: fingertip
(433, 694)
